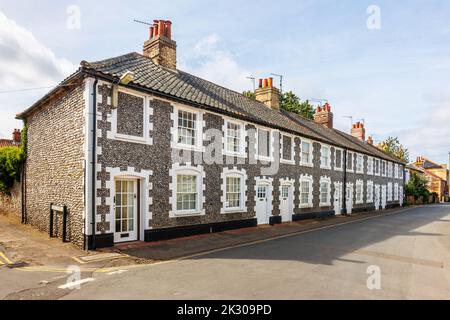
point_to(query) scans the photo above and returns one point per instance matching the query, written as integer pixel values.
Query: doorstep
(189, 246)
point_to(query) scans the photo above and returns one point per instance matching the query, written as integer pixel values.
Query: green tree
(249, 94)
(291, 102)
(393, 146)
(10, 161)
(417, 186)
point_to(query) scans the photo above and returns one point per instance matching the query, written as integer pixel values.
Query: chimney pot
(268, 94)
(160, 47)
(324, 116)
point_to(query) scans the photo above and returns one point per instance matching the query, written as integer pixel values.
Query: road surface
(405, 255)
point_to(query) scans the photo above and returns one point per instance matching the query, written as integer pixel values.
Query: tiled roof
(6, 143)
(188, 88)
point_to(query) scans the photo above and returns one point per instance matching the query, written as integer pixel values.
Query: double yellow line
(4, 259)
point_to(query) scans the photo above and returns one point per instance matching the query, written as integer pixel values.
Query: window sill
(338, 169)
(306, 206)
(265, 159)
(235, 155)
(327, 204)
(325, 168)
(233, 210)
(182, 214)
(189, 148)
(133, 139)
(287, 161)
(309, 165)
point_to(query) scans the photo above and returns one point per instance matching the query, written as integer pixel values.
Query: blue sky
(396, 78)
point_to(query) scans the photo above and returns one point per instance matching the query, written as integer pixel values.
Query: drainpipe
(344, 185)
(22, 169)
(94, 160)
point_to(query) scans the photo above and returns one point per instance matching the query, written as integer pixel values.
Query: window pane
(186, 192)
(263, 143)
(187, 123)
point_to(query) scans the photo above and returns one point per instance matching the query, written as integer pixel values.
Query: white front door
(349, 198)
(377, 197)
(126, 211)
(262, 203)
(286, 203)
(337, 198)
(383, 197)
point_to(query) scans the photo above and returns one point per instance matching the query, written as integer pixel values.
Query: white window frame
(396, 171)
(350, 154)
(198, 171)
(370, 192)
(242, 139)
(359, 183)
(310, 180)
(311, 153)
(396, 192)
(370, 165)
(270, 158)
(292, 160)
(323, 166)
(377, 173)
(200, 124)
(234, 173)
(147, 125)
(401, 195)
(341, 168)
(400, 171)
(326, 180)
(359, 163)
(390, 169)
(389, 191)
(385, 168)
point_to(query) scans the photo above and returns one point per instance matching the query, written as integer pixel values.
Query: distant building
(15, 141)
(436, 174)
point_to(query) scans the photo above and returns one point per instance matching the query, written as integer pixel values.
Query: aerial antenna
(281, 80)
(320, 101)
(143, 22)
(253, 80)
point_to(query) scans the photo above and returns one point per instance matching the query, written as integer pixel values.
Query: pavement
(318, 260)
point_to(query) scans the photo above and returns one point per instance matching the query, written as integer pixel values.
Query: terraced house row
(133, 149)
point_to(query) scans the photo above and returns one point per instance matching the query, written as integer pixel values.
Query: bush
(417, 187)
(10, 163)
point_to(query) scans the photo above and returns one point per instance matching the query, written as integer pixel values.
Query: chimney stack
(268, 94)
(370, 140)
(358, 131)
(17, 137)
(160, 47)
(324, 116)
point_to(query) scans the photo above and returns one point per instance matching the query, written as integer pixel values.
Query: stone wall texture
(158, 159)
(12, 204)
(54, 167)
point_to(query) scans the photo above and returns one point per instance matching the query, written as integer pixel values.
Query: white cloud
(24, 63)
(432, 137)
(217, 64)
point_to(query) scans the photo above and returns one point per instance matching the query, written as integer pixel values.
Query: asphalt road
(410, 249)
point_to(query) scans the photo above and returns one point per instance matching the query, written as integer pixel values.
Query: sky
(387, 62)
